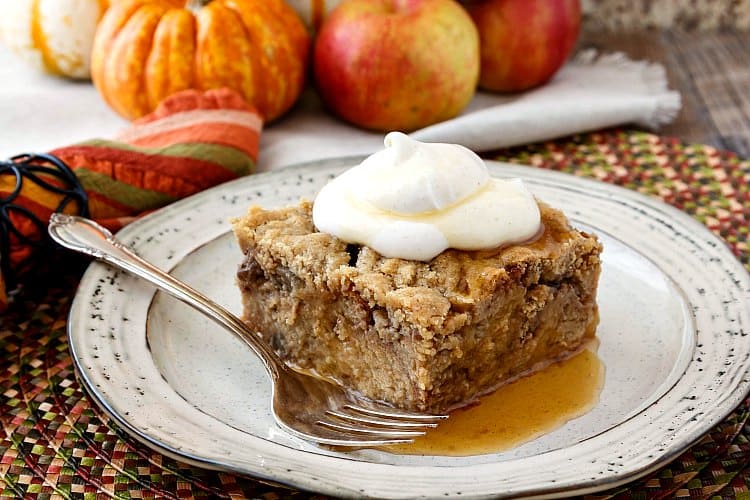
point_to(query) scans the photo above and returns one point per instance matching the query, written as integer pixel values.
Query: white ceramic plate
(675, 317)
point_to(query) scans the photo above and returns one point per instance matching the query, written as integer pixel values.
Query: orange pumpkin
(146, 50)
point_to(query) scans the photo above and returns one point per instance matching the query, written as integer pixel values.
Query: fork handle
(87, 237)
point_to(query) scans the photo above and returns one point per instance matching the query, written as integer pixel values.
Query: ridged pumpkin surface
(146, 50)
(54, 35)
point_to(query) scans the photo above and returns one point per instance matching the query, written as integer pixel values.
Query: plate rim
(581, 183)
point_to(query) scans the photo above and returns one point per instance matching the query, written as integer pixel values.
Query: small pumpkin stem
(196, 5)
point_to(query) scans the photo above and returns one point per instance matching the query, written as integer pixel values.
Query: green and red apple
(397, 64)
(524, 42)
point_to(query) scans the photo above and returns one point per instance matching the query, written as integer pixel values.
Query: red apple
(524, 42)
(396, 64)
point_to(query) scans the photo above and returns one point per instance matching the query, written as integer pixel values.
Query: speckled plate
(675, 317)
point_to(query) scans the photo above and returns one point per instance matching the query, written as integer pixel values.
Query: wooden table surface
(710, 69)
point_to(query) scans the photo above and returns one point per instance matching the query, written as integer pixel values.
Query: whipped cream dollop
(413, 200)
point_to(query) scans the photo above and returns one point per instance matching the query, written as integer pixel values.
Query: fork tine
(350, 441)
(394, 413)
(332, 437)
(371, 431)
(382, 422)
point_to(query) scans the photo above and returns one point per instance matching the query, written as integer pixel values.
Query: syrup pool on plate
(517, 412)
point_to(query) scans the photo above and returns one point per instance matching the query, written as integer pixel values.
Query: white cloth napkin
(38, 113)
(590, 92)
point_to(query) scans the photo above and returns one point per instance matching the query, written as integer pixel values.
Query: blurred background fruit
(524, 42)
(146, 50)
(396, 64)
(313, 12)
(53, 35)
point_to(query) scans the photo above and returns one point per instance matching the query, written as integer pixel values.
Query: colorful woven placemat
(55, 444)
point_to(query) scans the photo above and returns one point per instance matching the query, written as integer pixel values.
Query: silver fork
(308, 407)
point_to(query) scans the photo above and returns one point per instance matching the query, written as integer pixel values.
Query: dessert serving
(418, 280)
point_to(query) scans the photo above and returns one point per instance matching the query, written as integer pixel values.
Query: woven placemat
(55, 444)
